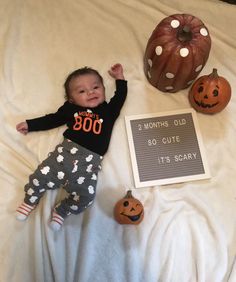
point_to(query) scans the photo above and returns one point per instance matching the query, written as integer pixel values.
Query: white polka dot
(75, 168)
(80, 180)
(30, 192)
(184, 52)
(89, 168)
(150, 62)
(33, 199)
(45, 170)
(175, 23)
(190, 82)
(73, 150)
(60, 158)
(89, 158)
(74, 207)
(169, 87)
(94, 176)
(60, 149)
(50, 184)
(204, 31)
(158, 50)
(91, 189)
(149, 74)
(60, 175)
(35, 182)
(170, 75)
(198, 68)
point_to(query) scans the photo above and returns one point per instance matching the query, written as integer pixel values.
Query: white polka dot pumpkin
(176, 52)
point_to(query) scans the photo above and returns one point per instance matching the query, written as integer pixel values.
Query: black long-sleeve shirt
(88, 127)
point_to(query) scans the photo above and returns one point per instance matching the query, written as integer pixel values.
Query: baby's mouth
(92, 99)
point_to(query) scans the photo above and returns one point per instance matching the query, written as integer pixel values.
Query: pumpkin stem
(184, 34)
(129, 194)
(214, 73)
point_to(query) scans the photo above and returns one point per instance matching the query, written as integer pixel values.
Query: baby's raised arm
(116, 71)
(22, 127)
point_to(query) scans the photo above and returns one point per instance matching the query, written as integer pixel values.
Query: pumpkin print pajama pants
(71, 166)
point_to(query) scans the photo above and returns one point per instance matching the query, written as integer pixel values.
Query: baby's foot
(23, 211)
(56, 221)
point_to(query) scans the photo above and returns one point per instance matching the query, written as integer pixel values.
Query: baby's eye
(95, 87)
(81, 91)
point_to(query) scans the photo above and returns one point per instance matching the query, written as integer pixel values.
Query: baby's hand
(22, 127)
(116, 71)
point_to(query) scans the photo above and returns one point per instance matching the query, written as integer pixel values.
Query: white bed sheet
(188, 232)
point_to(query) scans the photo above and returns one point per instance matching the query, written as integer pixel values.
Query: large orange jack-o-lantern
(176, 52)
(129, 210)
(210, 94)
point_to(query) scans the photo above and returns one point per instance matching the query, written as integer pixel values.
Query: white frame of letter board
(165, 181)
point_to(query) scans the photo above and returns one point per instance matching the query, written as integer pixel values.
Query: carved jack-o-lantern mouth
(204, 105)
(133, 217)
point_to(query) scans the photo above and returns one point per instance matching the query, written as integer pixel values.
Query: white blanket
(189, 229)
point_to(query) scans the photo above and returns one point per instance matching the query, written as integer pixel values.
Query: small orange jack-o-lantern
(210, 94)
(129, 210)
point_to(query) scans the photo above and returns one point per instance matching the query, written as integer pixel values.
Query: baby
(75, 163)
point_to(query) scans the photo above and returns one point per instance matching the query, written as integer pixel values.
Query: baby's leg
(73, 204)
(49, 175)
(80, 197)
(82, 170)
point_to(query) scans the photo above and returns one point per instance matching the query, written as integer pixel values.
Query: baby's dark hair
(77, 73)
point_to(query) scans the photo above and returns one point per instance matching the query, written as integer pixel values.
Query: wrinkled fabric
(188, 230)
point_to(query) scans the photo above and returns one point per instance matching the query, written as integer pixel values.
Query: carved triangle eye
(215, 93)
(200, 89)
(126, 203)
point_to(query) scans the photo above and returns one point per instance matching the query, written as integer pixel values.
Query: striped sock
(56, 221)
(23, 211)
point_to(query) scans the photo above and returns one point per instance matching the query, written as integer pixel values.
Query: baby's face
(87, 91)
